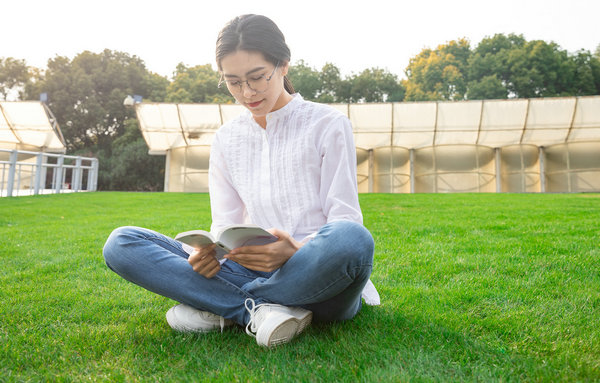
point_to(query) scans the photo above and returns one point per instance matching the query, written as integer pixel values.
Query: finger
(253, 250)
(209, 271)
(201, 254)
(212, 272)
(251, 261)
(257, 266)
(276, 232)
(203, 250)
(204, 265)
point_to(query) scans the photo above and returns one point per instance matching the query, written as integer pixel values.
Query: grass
(479, 287)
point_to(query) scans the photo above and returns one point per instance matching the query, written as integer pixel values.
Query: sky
(353, 35)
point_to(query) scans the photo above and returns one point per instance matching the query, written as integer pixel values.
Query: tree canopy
(501, 67)
(86, 95)
(13, 77)
(370, 85)
(198, 84)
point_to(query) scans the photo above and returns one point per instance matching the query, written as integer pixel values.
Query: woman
(286, 164)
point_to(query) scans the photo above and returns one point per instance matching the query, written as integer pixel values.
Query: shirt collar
(287, 108)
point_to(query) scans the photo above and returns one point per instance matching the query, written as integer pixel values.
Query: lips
(254, 104)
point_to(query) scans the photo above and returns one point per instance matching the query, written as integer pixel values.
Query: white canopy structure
(29, 125)
(519, 145)
(31, 154)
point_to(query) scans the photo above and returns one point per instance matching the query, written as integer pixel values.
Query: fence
(33, 173)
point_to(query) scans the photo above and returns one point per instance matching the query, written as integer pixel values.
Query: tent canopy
(29, 125)
(412, 125)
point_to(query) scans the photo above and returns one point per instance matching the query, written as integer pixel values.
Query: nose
(246, 90)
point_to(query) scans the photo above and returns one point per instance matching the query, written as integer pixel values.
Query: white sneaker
(185, 318)
(273, 324)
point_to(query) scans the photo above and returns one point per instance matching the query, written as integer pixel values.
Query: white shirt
(296, 175)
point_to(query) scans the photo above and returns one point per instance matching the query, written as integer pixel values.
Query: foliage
(197, 84)
(13, 77)
(439, 74)
(526, 69)
(371, 85)
(374, 85)
(305, 80)
(474, 287)
(86, 94)
(501, 67)
(129, 166)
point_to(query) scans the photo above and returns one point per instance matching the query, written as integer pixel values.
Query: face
(244, 65)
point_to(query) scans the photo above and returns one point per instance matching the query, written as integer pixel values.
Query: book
(228, 238)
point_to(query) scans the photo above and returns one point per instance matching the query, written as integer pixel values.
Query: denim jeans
(326, 275)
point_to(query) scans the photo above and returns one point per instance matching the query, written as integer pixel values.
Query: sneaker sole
(176, 324)
(173, 323)
(283, 328)
(304, 318)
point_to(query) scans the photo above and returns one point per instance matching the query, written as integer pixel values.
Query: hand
(204, 262)
(268, 257)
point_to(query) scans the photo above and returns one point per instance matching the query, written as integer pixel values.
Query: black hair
(254, 33)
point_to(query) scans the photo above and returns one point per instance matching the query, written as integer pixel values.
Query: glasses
(258, 84)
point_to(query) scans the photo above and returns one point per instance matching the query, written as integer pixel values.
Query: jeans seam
(156, 238)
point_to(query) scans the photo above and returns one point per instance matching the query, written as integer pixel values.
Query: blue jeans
(326, 275)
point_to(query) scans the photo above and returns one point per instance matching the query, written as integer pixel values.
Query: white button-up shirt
(296, 175)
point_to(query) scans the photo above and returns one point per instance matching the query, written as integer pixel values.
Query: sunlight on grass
(474, 287)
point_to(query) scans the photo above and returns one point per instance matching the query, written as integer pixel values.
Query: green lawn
(474, 287)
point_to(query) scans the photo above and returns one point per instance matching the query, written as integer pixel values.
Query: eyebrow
(247, 73)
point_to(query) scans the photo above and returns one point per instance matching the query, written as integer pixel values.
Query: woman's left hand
(266, 257)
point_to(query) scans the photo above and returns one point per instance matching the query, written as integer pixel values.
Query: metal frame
(13, 169)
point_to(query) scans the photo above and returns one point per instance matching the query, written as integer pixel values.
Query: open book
(228, 238)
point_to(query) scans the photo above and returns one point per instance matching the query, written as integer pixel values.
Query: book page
(245, 235)
(195, 238)
(201, 238)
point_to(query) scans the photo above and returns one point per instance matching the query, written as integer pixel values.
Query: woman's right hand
(203, 261)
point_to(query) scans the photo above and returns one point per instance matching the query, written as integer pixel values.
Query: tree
(13, 77)
(586, 72)
(330, 82)
(489, 71)
(86, 94)
(509, 66)
(595, 67)
(539, 69)
(372, 85)
(439, 74)
(197, 84)
(128, 166)
(156, 87)
(488, 87)
(305, 80)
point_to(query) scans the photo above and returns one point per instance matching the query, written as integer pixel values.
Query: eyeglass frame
(222, 80)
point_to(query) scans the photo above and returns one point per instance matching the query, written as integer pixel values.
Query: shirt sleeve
(339, 189)
(226, 206)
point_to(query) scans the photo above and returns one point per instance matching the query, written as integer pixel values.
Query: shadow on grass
(380, 344)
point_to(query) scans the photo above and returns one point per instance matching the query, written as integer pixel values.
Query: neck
(282, 101)
(261, 120)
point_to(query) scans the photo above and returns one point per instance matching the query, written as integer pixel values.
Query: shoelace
(222, 322)
(209, 316)
(252, 311)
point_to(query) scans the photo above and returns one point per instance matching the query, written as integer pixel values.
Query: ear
(284, 66)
